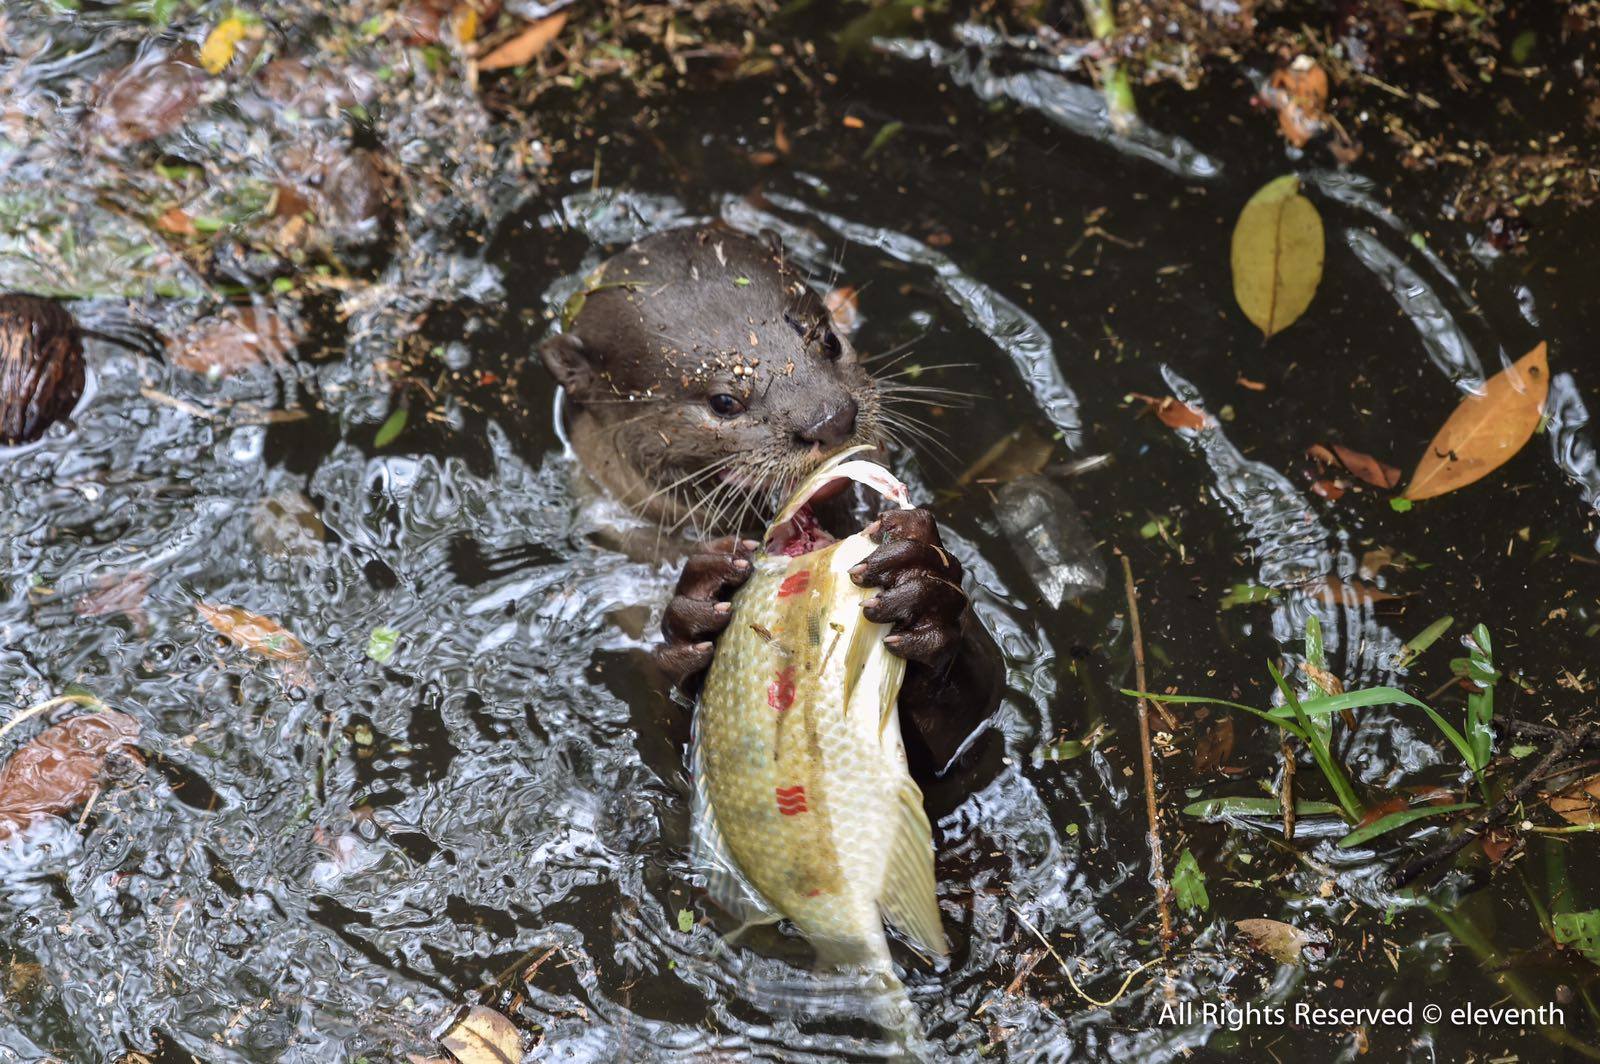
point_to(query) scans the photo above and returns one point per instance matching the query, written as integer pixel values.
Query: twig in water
(1286, 789)
(47, 705)
(1158, 874)
(1563, 749)
(1065, 970)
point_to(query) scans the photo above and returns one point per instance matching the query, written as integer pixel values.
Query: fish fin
(727, 886)
(908, 899)
(894, 675)
(863, 637)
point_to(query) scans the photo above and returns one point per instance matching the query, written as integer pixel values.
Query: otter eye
(724, 405)
(831, 346)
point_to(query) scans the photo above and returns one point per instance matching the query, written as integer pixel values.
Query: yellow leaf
(217, 52)
(524, 46)
(484, 1036)
(466, 25)
(1277, 255)
(1485, 430)
(257, 634)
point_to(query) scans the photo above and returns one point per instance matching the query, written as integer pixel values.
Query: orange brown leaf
(1485, 430)
(525, 46)
(259, 635)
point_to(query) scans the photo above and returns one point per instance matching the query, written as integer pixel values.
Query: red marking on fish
(813, 892)
(791, 800)
(794, 583)
(780, 692)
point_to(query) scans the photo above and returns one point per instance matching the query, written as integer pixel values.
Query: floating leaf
(1579, 803)
(60, 767)
(1580, 931)
(234, 343)
(1399, 819)
(522, 48)
(1486, 430)
(257, 634)
(1189, 884)
(1277, 255)
(1173, 414)
(1278, 940)
(484, 1036)
(1216, 808)
(1247, 594)
(685, 920)
(1299, 93)
(391, 428)
(217, 52)
(1422, 641)
(381, 644)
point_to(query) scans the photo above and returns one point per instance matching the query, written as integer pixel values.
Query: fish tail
(890, 1003)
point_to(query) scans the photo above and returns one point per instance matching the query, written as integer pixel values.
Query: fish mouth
(799, 529)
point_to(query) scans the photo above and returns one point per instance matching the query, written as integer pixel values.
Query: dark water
(326, 866)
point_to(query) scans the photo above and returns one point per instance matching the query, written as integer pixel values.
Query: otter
(704, 379)
(41, 366)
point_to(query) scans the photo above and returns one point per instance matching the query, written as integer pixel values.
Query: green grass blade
(1385, 824)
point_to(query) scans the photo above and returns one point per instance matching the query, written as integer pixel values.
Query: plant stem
(1114, 81)
(1158, 874)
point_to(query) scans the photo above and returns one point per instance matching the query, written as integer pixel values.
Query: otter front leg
(955, 674)
(921, 582)
(699, 609)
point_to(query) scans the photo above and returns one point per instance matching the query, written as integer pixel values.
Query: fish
(804, 808)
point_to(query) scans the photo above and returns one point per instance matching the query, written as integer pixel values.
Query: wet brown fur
(686, 315)
(41, 366)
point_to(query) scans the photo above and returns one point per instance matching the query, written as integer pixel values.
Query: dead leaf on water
(1335, 592)
(1299, 93)
(60, 767)
(234, 343)
(1485, 430)
(484, 1036)
(259, 635)
(1278, 940)
(1173, 414)
(1277, 255)
(1579, 803)
(526, 45)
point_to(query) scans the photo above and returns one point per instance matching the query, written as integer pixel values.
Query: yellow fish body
(804, 806)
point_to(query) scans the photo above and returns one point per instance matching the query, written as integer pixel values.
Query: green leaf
(1417, 644)
(685, 920)
(1247, 595)
(1318, 742)
(1480, 703)
(1399, 505)
(1216, 808)
(1189, 884)
(1385, 824)
(889, 131)
(742, 282)
(381, 644)
(391, 428)
(1581, 931)
(1277, 255)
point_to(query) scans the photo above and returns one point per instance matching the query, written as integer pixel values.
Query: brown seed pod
(41, 366)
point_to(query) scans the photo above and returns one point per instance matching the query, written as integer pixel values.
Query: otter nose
(834, 425)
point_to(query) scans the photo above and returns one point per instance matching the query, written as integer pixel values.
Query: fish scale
(805, 808)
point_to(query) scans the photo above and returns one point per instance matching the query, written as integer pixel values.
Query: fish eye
(724, 405)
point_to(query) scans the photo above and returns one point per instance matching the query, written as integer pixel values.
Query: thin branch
(1558, 753)
(1158, 874)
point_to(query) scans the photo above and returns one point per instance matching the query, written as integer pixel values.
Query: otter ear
(564, 357)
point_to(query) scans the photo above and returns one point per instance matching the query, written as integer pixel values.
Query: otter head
(705, 378)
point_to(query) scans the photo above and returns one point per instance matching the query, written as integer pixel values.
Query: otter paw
(921, 598)
(699, 609)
